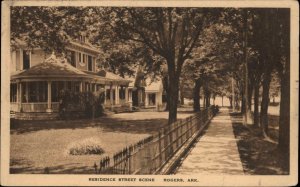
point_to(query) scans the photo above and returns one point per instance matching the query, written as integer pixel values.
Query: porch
(43, 96)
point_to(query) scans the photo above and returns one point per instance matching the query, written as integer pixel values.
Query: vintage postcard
(149, 93)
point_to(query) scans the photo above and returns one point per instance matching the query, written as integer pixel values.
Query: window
(83, 58)
(122, 93)
(26, 59)
(82, 38)
(152, 99)
(13, 93)
(56, 88)
(79, 57)
(76, 87)
(90, 63)
(73, 58)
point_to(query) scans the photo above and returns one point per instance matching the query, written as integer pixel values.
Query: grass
(36, 145)
(259, 156)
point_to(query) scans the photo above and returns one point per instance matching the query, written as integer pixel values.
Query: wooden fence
(150, 154)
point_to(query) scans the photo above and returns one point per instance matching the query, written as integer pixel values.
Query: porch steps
(12, 114)
(108, 112)
(150, 109)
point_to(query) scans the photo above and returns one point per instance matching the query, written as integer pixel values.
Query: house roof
(60, 68)
(132, 79)
(87, 45)
(153, 86)
(108, 75)
(51, 67)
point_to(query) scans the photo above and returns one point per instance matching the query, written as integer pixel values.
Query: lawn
(258, 155)
(36, 145)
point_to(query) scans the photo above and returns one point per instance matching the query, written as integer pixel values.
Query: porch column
(80, 86)
(130, 98)
(117, 94)
(104, 95)
(130, 95)
(126, 95)
(95, 87)
(111, 96)
(146, 99)
(49, 109)
(19, 96)
(26, 91)
(18, 92)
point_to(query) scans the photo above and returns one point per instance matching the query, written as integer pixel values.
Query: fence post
(95, 166)
(176, 133)
(170, 134)
(191, 127)
(159, 148)
(187, 129)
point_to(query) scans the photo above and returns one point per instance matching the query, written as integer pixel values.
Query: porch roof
(109, 76)
(52, 68)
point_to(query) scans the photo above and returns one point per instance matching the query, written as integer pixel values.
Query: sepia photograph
(130, 93)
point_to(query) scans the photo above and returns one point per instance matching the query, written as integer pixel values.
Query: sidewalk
(216, 151)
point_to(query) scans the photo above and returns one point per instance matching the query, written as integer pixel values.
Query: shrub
(86, 102)
(85, 147)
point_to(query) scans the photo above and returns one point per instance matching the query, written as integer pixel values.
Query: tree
(283, 67)
(49, 28)
(209, 63)
(171, 33)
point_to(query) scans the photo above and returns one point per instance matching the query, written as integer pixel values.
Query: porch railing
(14, 107)
(150, 154)
(39, 107)
(122, 101)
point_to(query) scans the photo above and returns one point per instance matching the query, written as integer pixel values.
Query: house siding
(38, 56)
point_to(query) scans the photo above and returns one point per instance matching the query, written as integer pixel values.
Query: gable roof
(153, 86)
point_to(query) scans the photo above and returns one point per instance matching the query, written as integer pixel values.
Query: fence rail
(150, 154)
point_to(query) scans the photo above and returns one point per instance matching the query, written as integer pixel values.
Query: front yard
(36, 145)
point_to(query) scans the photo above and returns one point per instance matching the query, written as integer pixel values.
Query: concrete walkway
(216, 151)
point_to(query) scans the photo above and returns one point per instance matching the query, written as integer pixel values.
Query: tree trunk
(247, 92)
(181, 99)
(230, 102)
(243, 104)
(265, 104)
(284, 119)
(196, 98)
(166, 88)
(173, 94)
(248, 116)
(207, 101)
(173, 102)
(250, 94)
(256, 103)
